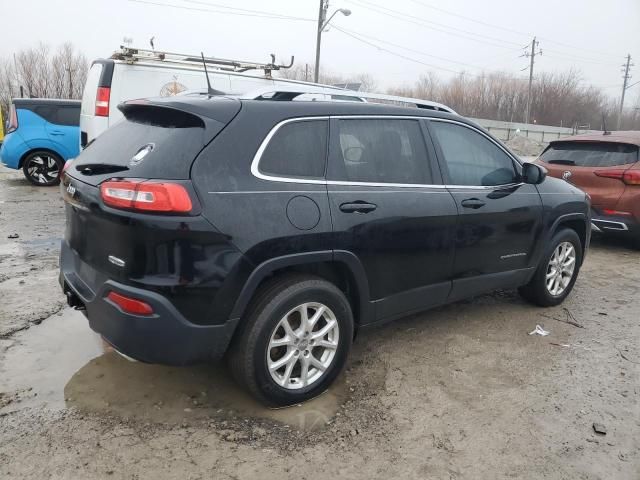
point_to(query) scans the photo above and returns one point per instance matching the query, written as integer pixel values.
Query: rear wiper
(100, 168)
(562, 162)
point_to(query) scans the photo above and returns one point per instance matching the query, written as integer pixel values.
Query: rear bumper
(615, 224)
(164, 337)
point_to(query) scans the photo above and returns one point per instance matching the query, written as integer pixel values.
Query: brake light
(67, 164)
(102, 101)
(13, 119)
(630, 177)
(145, 195)
(130, 305)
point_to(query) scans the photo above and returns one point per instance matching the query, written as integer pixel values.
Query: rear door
(500, 219)
(62, 129)
(390, 208)
(580, 162)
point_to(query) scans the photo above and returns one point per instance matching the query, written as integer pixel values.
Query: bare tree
(41, 72)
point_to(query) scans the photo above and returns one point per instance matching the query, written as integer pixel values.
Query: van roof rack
(331, 93)
(132, 55)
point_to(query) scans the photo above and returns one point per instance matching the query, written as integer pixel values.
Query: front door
(390, 209)
(500, 218)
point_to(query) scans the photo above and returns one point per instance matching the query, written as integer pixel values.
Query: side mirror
(533, 173)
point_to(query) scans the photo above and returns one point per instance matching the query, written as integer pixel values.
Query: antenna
(210, 90)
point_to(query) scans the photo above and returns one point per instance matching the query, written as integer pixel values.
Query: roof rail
(328, 93)
(132, 55)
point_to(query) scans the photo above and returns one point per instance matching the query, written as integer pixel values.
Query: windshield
(591, 154)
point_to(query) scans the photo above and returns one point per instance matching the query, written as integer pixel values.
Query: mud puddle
(63, 364)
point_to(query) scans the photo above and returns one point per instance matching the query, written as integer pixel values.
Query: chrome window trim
(255, 170)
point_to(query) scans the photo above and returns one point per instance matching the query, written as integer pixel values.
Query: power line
(428, 24)
(222, 12)
(345, 30)
(500, 27)
(246, 10)
(391, 52)
(565, 56)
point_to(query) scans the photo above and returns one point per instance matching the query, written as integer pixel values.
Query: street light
(322, 24)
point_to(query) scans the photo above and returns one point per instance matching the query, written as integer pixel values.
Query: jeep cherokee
(270, 231)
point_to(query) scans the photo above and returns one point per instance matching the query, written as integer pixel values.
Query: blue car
(42, 135)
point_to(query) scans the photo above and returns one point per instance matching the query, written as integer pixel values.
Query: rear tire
(276, 334)
(554, 278)
(42, 168)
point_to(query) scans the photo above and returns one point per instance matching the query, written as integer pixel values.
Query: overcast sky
(443, 36)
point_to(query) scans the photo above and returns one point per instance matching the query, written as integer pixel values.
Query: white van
(136, 73)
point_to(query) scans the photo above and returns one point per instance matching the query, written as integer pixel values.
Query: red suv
(607, 167)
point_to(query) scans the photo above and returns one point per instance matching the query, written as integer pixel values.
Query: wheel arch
(341, 268)
(577, 222)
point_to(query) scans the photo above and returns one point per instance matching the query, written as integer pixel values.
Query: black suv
(270, 231)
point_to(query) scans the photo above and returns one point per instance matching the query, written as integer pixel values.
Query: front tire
(558, 270)
(42, 168)
(295, 340)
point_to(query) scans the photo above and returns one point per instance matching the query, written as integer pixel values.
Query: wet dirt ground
(460, 392)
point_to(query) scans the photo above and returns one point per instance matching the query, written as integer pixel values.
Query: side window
(381, 151)
(298, 149)
(471, 158)
(69, 116)
(47, 112)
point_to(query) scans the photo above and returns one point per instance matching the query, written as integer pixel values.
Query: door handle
(358, 207)
(56, 132)
(472, 203)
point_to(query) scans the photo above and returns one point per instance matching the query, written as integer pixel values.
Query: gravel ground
(460, 392)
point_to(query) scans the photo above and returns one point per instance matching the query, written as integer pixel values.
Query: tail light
(67, 164)
(630, 177)
(146, 196)
(102, 102)
(130, 305)
(608, 211)
(13, 119)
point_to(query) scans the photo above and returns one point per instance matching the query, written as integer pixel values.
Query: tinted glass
(382, 151)
(471, 158)
(298, 149)
(56, 114)
(590, 154)
(48, 112)
(67, 116)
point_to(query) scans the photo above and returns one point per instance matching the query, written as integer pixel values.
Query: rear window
(590, 154)
(142, 150)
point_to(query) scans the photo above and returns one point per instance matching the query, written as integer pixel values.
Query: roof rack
(281, 92)
(132, 55)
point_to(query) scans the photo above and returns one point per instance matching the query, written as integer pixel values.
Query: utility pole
(532, 55)
(323, 21)
(322, 15)
(626, 78)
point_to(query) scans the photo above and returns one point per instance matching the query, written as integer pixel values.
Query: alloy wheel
(43, 169)
(303, 345)
(560, 268)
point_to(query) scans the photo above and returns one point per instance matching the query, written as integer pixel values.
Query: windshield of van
(590, 154)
